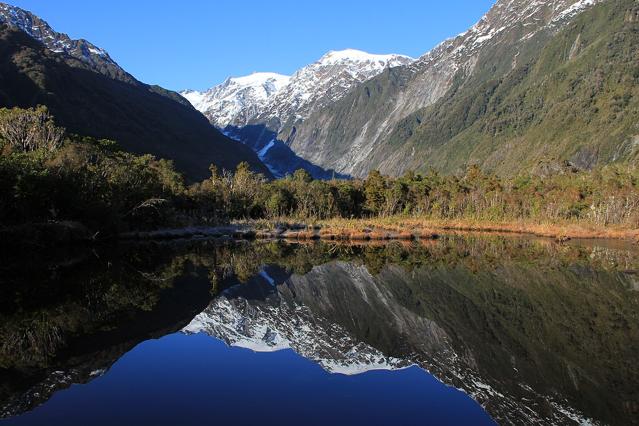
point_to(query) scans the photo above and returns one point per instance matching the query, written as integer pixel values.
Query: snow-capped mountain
(97, 58)
(324, 82)
(277, 98)
(528, 17)
(327, 115)
(238, 99)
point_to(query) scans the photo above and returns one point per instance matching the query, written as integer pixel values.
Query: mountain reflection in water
(531, 330)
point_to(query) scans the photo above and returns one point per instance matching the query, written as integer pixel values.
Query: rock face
(89, 94)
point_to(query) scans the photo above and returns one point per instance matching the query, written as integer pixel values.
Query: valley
(492, 96)
(341, 237)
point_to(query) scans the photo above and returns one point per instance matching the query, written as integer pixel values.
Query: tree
(28, 130)
(374, 189)
(301, 175)
(246, 188)
(278, 202)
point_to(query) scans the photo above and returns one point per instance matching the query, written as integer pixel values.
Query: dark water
(463, 330)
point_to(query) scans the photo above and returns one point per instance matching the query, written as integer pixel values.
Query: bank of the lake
(407, 228)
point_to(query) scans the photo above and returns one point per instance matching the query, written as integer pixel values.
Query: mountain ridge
(252, 109)
(91, 95)
(281, 97)
(95, 57)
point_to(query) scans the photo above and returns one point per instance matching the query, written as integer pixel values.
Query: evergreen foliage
(96, 183)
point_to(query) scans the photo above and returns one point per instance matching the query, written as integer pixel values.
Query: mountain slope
(576, 100)
(353, 135)
(322, 83)
(109, 104)
(254, 109)
(96, 58)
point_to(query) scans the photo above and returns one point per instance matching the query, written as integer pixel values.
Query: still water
(463, 330)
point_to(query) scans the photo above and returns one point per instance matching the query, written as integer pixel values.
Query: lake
(467, 329)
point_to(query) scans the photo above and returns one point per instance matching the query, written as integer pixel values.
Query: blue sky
(197, 43)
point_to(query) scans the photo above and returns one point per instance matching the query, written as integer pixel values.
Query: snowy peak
(278, 99)
(531, 16)
(335, 57)
(279, 323)
(326, 81)
(98, 59)
(238, 99)
(268, 80)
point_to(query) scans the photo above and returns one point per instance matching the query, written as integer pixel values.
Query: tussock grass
(409, 228)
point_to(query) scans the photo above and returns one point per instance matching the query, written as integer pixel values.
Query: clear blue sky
(198, 43)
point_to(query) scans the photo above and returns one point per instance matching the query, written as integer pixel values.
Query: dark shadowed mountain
(89, 94)
(275, 154)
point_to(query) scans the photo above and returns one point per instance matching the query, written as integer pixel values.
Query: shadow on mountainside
(141, 118)
(276, 154)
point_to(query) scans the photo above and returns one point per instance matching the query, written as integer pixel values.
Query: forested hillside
(142, 118)
(576, 100)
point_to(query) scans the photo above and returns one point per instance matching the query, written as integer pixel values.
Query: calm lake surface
(467, 329)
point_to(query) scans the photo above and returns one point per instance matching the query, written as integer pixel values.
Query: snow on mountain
(238, 99)
(266, 327)
(194, 97)
(279, 99)
(531, 16)
(353, 55)
(57, 42)
(276, 324)
(326, 81)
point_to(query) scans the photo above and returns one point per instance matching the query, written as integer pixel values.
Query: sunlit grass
(403, 227)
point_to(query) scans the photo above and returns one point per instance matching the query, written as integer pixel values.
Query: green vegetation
(74, 178)
(605, 196)
(576, 99)
(47, 175)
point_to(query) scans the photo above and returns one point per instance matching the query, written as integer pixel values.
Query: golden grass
(424, 227)
(409, 228)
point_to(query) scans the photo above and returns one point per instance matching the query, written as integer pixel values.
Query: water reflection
(532, 330)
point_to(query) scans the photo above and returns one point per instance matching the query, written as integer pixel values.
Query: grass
(408, 228)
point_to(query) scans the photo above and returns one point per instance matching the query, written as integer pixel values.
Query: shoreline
(558, 231)
(386, 229)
